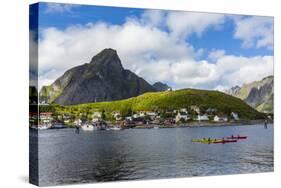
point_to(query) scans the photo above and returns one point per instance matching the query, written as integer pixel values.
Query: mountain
(258, 94)
(184, 98)
(159, 86)
(103, 79)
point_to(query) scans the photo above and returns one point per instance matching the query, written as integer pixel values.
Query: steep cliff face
(103, 79)
(258, 94)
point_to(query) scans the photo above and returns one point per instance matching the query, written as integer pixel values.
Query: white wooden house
(182, 116)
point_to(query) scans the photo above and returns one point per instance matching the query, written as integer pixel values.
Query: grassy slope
(173, 100)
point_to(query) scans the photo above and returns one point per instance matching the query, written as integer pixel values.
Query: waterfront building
(182, 116)
(220, 118)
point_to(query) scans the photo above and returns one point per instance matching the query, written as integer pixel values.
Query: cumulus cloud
(238, 70)
(184, 24)
(215, 54)
(33, 60)
(255, 31)
(59, 8)
(137, 45)
(227, 71)
(151, 51)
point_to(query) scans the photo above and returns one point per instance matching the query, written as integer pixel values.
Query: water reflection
(66, 157)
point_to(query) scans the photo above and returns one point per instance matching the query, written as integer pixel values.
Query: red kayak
(224, 141)
(237, 137)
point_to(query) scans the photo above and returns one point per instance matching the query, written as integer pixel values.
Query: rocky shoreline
(204, 124)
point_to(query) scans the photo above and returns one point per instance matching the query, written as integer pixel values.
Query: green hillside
(157, 101)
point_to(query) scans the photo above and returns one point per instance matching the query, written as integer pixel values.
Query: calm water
(66, 157)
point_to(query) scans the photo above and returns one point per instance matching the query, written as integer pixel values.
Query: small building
(183, 110)
(220, 118)
(66, 117)
(235, 116)
(169, 111)
(182, 116)
(156, 121)
(136, 116)
(129, 118)
(66, 121)
(158, 117)
(269, 117)
(117, 116)
(211, 110)
(45, 117)
(142, 114)
(78, 122)
(152, 115)
(96, 117)
(203, 117)
(195, 108)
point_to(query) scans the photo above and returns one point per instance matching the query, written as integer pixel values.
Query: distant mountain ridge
(258, 94)
(159, 86)
(103, 79)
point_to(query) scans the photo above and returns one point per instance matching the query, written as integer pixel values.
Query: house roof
(183, 113)
(221, 116)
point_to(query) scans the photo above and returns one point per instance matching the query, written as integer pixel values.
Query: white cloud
(226, 72)
(33, 58)
(256, 31)
(183, 24)
(215, 54)
(137, 45)
(236, 70)
(59, 8)
(154, 17)
(151, 51)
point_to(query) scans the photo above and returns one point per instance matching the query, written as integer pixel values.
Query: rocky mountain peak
(107, 57)
(103, 79)
(258, 94)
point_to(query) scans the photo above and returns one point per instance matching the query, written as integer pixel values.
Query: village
(101, 120)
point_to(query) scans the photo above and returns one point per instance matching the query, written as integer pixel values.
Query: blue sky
(173, 42)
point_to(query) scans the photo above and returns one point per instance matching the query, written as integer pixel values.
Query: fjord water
(66, 157)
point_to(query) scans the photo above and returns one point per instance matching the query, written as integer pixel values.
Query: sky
(182, 49)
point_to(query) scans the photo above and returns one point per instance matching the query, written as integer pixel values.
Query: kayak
(237, 137)
(206, 141)
(224, 141)
(213, 141)
(203, 140)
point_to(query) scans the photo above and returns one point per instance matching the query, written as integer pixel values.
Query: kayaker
(265, 123)
(77, 129)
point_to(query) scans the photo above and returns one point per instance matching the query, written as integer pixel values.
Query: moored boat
(58, 126)
(115, 128)
(87, 127)
(44, 127)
